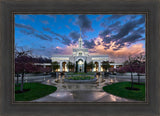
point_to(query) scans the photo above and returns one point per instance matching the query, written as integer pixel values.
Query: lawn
(119, 89)
(35, 91)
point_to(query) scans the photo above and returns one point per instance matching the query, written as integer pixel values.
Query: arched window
(80, 54)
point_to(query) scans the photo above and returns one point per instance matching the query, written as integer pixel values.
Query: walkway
(80, 92)
(82, 96)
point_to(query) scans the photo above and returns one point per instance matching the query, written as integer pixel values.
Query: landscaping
(80, 73)
(33, 91)
(80, 78)
(120, 89)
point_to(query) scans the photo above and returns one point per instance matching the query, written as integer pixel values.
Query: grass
(80, 78)
(119, 89)
(35, 91)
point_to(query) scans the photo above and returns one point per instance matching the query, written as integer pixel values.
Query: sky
(115, 35)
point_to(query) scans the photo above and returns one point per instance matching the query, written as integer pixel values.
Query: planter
(80, 81)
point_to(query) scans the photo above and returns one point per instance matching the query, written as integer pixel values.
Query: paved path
(80, 92)
(81, 96)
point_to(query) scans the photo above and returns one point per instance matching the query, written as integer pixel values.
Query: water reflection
(48, 81)
(113, 98)
(61, 94)
(111, 80)
(82, 96)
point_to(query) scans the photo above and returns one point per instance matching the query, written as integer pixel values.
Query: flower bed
(80, 73)
(80, 79)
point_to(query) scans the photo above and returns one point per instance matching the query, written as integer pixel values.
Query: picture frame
(80, 7)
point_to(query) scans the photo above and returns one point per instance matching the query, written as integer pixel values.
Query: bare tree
(140, 65)
(129, 66)
(23, 64)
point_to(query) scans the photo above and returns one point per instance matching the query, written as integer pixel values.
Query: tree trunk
(131, 80)
(22, 82)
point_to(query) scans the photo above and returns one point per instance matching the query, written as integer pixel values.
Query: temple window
(80, 54)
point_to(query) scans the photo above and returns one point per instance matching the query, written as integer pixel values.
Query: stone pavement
(80, 92)
(81, 96)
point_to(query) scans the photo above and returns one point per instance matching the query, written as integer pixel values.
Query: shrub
(80, 78)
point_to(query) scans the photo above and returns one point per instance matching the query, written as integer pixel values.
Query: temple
(79, 56)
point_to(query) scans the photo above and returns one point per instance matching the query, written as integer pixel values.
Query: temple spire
(80, 41)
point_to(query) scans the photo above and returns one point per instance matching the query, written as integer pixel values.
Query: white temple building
(80, 55)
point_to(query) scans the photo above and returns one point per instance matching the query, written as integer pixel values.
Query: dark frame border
(29, 102)
(78, 6)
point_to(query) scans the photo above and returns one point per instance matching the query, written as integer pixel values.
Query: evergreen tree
(90, 65)
(85, 67)
(76, 66)
(55, 66)
(70, 65)
(105, 65)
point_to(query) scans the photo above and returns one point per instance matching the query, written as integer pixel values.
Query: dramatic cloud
(26, 32)
(104, 33)
(110, 29)
(84, 23)
(44, 37)
(115, 26)
(126, 34)
(31, 31)
(129, 40)
(89, 43)
(119, 55)
(75, 36)
(28, 27)
(64, 39)
(99, 17)
(27, 17)
(128, 27)
(115, 35)
(98, 48)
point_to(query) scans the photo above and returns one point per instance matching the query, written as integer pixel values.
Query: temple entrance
(96, 66)
(64, 67)
(80, 65)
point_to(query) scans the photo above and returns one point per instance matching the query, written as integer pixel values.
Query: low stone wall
(80, 81)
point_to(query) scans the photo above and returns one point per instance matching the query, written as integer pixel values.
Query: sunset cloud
(118, 55)
(99, 49)
(117, 35)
